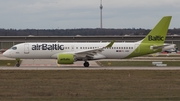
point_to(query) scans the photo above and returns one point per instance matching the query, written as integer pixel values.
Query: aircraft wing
(92, 52)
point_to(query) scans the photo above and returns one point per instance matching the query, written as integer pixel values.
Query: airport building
(8, 41)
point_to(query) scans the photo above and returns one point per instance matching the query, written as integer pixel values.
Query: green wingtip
(110, 44)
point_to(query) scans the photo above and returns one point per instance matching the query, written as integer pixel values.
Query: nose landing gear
(18, 62)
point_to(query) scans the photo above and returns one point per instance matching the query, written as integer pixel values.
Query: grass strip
(90, 85)
(7, 62)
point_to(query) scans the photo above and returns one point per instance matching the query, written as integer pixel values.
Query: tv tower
(101, 7)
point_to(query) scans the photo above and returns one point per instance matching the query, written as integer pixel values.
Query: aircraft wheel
(86, 64)
(17, 65)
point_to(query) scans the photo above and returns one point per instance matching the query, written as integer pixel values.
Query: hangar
(8, 41)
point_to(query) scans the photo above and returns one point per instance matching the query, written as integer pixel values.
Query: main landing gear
(18, 62)
(86, 64)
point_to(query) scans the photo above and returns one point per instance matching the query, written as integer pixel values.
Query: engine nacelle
(65, 59)
(171, 46)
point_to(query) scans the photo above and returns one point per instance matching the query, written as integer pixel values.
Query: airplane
(68, 53)
(172, 50)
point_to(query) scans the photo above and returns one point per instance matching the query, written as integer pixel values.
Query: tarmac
(51, 64)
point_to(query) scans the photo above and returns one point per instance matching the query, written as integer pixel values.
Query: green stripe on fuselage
(156, 37)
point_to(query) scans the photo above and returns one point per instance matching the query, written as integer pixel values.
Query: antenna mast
(101, 7)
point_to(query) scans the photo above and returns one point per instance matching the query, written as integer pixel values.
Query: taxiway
(51, 64)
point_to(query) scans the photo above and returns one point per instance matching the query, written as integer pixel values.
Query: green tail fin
(156, 37)
(158, 34)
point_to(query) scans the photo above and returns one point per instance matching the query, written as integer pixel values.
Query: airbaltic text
(48, 47)
(155, 38)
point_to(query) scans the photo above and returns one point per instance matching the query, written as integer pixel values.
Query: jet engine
(65, 59)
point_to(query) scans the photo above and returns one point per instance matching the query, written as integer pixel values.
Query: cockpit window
(14, 48)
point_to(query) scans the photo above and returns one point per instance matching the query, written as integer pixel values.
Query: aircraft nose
(6, 54)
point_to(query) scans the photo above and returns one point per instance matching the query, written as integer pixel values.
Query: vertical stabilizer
(158, 34)
(156, 37)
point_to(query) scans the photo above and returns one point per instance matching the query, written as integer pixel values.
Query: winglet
(110, 44)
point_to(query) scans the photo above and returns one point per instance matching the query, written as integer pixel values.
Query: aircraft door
(26, 48)
(72, 48)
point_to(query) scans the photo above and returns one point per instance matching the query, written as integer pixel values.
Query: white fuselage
(51, 50)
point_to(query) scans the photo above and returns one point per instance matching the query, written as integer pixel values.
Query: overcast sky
(70, 14)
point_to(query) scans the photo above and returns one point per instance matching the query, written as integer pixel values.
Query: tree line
(80, 32)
